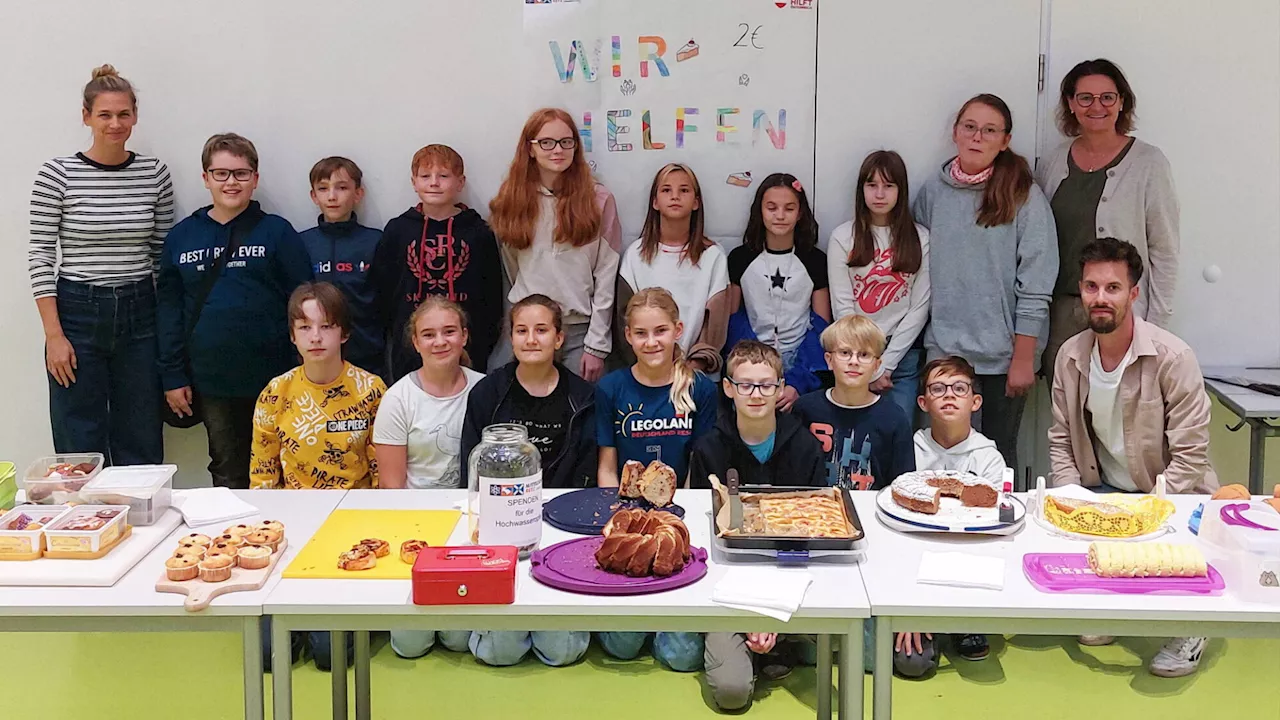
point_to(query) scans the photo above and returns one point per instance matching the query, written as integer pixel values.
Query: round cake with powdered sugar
(922, 490)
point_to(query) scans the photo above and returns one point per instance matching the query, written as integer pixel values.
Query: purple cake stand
(1070, 573)
(571, 565)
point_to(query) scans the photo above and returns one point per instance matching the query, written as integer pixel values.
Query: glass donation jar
(504, 492)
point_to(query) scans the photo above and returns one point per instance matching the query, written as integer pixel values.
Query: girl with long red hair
(559, 235)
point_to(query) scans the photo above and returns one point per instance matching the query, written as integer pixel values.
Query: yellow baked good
(195, 551)
(253, 557)
(181, 568)
(271, 525)
(216, 569)
(1232, 492)
(196, 539)
(1120, 559)
(239, 530)
(409, 550)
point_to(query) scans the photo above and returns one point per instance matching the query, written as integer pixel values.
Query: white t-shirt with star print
(777, 291)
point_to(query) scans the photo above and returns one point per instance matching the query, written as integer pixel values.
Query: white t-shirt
(691, 285)
(1108, 420)
(430, 427)
(898, 303)
(777, 291)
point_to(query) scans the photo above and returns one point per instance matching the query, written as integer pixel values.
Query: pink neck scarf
(965, 178)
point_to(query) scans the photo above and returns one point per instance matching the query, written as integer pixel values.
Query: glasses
(222, 174)
(1107, 99)
(549, 144)
(989, 132)
(767, 389)
(961, 388)
(862, 356)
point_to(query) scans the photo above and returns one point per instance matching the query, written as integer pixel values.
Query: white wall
(375, 81)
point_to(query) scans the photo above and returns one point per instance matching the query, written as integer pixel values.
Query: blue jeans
(416, 643)
(906, 383)
(503, 648)
(113, 407)
(319, 641)
(680, 651)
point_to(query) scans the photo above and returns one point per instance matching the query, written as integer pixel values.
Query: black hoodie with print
(457, 258)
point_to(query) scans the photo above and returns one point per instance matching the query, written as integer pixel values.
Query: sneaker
(777, 665)
(1096, 640)
(1178, 657)
(973, 647)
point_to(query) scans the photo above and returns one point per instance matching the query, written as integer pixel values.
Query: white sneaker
(1178, 657)
(1096, 640)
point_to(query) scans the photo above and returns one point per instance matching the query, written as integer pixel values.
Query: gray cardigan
(987, 284)
(1139, 205)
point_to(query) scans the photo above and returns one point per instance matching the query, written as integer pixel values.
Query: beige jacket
(1165, 410)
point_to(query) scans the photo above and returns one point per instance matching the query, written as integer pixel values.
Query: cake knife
(735, 501)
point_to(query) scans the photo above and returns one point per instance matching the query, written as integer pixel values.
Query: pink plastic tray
(1070, 573)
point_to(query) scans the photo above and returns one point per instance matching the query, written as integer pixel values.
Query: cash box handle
(467, 552)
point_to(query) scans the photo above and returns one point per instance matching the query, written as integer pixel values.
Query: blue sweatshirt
(241, 340)
(342, 254)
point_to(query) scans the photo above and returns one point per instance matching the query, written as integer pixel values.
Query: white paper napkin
(961, 570)
(768, 591)
(211, 506)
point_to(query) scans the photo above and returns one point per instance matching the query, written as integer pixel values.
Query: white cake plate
(1080, 493)
(952, 517)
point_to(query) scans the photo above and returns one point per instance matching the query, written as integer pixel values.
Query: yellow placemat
(344, 528)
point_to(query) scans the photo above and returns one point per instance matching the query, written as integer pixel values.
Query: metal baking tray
(782, 543)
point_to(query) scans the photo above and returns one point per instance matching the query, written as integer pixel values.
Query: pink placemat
(571, 565)
(1070, 573)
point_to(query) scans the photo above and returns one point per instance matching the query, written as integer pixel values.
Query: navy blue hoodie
(241, 340)
(342, 254)
(457, 258)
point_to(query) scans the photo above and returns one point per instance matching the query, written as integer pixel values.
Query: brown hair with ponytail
(682, 375)
(904, 239)
(437, 302)
(1011, 178)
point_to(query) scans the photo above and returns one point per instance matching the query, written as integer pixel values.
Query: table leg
(338, 671)
(363, 696)
(1257, 455)
(824, 677)
(253, 691)
(281, 672)
(882, 685)
(851, 670)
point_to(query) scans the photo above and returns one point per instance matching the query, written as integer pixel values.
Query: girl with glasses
(993, 259)
(1103, 182)
(559, 235)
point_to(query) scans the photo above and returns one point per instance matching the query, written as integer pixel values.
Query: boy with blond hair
(866, 441)
(342, 252)
(438, 247)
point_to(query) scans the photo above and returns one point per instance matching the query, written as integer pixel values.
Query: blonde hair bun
(106, 70)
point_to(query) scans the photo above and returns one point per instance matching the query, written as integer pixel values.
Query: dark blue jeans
(113, 407)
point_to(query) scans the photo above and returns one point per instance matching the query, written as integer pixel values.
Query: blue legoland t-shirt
(642, 424)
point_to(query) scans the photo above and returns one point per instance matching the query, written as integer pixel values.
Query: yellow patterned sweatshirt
(308, 436)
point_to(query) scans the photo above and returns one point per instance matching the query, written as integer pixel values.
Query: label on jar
(511, 510)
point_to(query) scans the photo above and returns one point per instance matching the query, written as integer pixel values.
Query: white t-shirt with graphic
(690, 285)
(777, 291)
(429, 427)
(898, 303)
(1108, 420)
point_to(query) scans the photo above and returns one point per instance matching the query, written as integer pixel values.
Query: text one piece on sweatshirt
(241, 340)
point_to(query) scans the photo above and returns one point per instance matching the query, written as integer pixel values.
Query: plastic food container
(68, 536)
(17, 540)
(146, 489)
(57, 479)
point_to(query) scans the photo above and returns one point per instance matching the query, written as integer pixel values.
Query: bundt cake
(641, 543)
(923, 490)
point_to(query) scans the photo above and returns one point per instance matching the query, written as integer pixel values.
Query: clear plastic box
(26, 544)
(62, 539)
(43, 487)
(146, 489)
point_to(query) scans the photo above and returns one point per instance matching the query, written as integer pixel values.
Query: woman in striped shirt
(107, 210)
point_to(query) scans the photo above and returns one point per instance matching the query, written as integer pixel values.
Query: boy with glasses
(226, 273)
(949, 395)
(866, 442)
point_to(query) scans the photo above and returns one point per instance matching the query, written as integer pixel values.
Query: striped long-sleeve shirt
(110, 221)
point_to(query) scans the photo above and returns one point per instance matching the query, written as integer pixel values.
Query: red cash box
(468, 575)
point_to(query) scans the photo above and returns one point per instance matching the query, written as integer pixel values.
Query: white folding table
(1254, 409)
(133, 605)
(835, 605)
(899, 604)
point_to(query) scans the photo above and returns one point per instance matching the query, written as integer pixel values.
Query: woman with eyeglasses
(1103, 182)
(107, 211)
(559, 235)
(993, 260)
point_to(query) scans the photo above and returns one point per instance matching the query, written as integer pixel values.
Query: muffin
(181, 568)
(194, 551)
(216, 569)
(196, 539)
(264, 538)
(229, 539)
(254, 557)
(238, 530)
(226, 551)
(271, 525)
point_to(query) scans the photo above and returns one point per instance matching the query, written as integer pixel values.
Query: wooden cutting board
(200, 593)
(344, 528)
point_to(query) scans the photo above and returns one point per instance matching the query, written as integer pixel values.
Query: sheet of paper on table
(961, 570)
(774, 592)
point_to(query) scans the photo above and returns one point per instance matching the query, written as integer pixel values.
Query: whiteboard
(724, 86)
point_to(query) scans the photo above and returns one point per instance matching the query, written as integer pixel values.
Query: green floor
(196, 676)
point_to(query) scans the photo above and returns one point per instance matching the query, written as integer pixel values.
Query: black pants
(1000, 417)
(229, 424)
